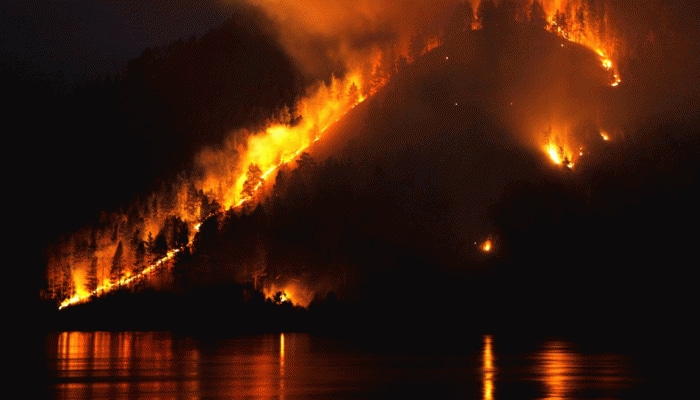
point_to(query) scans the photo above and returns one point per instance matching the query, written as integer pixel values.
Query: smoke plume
(332, 37)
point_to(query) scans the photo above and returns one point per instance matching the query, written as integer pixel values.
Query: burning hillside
(402, 162)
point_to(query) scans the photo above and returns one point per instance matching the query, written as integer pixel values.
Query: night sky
(78, 40)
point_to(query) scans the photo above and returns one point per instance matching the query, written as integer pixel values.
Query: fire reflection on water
(488, 369)
(558, 371)
(282, 389)
(565, 373)
(160, 365)
(558, 366)
(111, 364)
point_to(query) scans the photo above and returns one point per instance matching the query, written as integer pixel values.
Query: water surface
(161, 365)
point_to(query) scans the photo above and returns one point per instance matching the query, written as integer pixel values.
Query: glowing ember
(487, 246)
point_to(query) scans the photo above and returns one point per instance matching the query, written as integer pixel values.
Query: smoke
(332, 37)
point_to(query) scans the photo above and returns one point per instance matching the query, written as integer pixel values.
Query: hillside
(380, 225)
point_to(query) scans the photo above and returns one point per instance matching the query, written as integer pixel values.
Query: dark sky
(80, 39)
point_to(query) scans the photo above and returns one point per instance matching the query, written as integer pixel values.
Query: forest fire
(292, 292)
(559, 155)
(230, 178)
(586, 24)
(128, 247)
(279, 144)
(558, 148)
(82, 296)
(582, 23)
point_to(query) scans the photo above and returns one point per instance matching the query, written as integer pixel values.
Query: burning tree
(91, 280)
(252, 183)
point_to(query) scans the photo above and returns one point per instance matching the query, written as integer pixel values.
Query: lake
(163, 365)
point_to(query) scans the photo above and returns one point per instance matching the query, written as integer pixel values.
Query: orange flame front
(120, 250)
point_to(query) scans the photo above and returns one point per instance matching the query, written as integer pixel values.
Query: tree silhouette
(353, 94)
(67, 286)
(561, 22)
(305, 161)
(580, 25)
(91, 281)
(252, 182)
(160, 244)
(116, 273)
(538, 17)
(486, 14)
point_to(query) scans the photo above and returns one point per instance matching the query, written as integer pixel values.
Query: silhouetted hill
(225, 309)
(382, 219)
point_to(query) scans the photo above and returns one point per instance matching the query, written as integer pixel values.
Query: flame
(432, 43)
(82, 295)
(559, 152)
(222, 178)
(279, 143)
(486, 246)
(616, 80)
(587, 24)
(292, 291)
(88, 255)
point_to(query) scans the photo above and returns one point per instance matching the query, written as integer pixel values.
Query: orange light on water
(557, 364)
(488, 369)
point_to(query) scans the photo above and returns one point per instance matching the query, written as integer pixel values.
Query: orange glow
(604, 136)
(79, 265)
(83, 355)
(559, 154)
(559, 148)
(432, 43)
(487, 246)
(220, 179)
(282, 389)
(557, 363)
(616, 80)
(583, 23)
(488, 369)
(82, 296)
(279, 143)
(292, 292)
